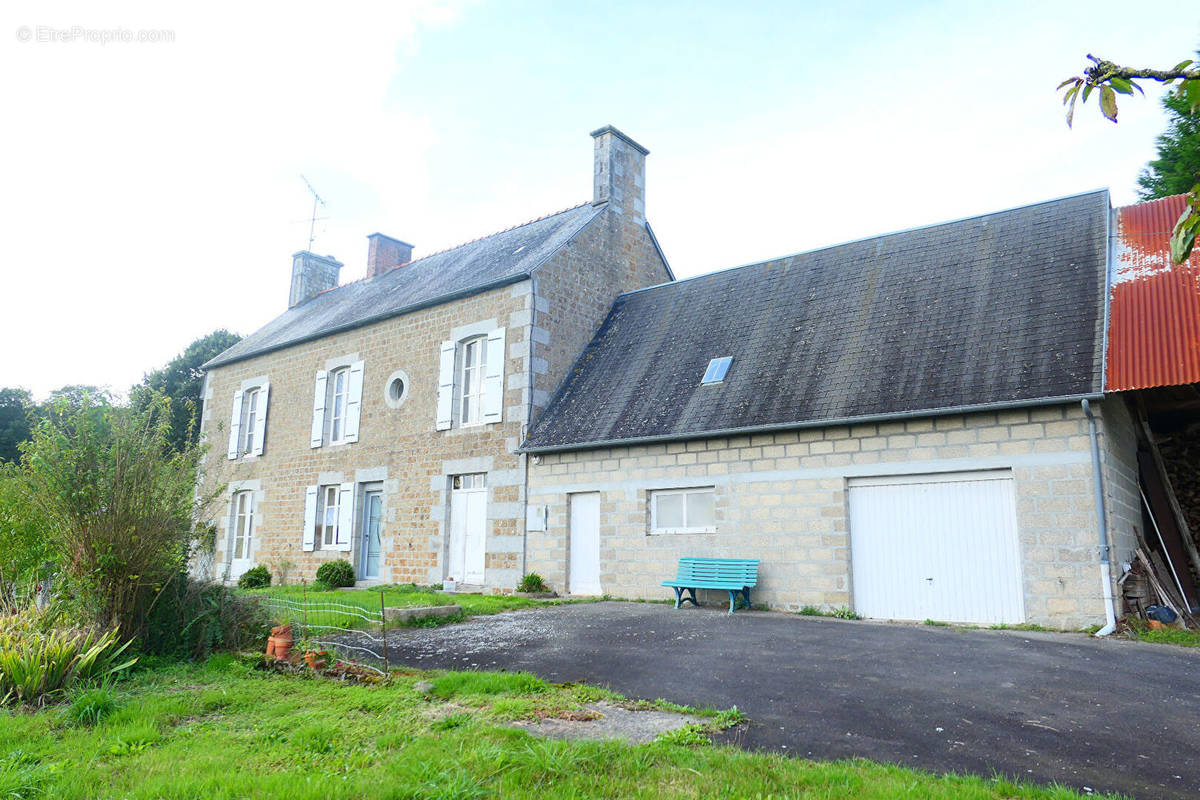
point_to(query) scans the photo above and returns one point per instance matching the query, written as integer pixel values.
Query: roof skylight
(716, 370)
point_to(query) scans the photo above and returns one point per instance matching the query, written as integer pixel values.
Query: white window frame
(243, 524)
(250, 419)
(470, 403)
(337, 417)
(695, 490)
(328, 536)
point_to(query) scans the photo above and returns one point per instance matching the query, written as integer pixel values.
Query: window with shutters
(329, 517)
(474, 364)
(337, 403)
(471, 381)
(683, 510)
(248, 424)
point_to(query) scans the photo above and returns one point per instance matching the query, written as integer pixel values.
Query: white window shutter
(318, 420)
(354, 402)
(235, 425)
(493, 381)
(445, 397)
(310, 518)
(260, 432)
(345, 516)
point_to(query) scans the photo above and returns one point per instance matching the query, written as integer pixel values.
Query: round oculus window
(395, 391)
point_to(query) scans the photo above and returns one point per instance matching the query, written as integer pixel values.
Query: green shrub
(114, 503)
(91, 704)
(39, 665)
(532, 583)
(336, 573)
(321, 586)
(193, 619)
(257, 578)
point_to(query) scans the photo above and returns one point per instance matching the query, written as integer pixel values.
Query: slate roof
(1001, 308)
(468, 269)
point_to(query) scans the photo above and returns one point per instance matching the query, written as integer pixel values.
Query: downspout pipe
(1110, 619)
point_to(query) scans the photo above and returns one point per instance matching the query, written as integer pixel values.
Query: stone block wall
(397, 446)
(783, 497)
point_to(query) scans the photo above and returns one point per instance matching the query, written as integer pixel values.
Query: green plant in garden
(255, 578)
(116, 502)
(89, 705)
(336, 573)
(532, 583)
(40, 664)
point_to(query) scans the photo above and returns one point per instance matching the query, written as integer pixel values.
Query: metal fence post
(383, 632)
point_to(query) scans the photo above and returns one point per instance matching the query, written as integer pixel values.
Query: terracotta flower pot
(315, 659)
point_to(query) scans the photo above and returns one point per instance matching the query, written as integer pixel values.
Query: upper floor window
(337, 404)
(248, 423)
(474, 364)
(339, 394)
(471, 381)
(683, 510)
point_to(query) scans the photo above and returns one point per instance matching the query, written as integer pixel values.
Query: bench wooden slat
(734, 575)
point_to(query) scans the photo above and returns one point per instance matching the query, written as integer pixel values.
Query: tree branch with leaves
(1112, 79)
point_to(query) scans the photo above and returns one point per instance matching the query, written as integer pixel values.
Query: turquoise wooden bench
(735, 575)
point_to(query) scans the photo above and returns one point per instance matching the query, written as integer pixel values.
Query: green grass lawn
(404, 595)
(225, 730)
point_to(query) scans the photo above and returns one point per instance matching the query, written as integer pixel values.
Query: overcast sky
(150, 191)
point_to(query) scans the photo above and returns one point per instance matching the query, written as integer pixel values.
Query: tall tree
(180, 381)
(1177, 168)
(14, 421)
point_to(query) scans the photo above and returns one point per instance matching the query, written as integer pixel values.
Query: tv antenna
(312, 226)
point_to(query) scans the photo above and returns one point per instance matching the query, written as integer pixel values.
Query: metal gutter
(819, 423)
(399, 312)
(1110, 619)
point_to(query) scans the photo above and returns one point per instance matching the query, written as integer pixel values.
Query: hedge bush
(336, 573)
(257, 578)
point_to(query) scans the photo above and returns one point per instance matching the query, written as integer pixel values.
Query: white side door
(468, 533)
(939, 547)
(584, 573)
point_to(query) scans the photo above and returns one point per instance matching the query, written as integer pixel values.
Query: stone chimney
(386, 253)
(311, 275)
(620, 173)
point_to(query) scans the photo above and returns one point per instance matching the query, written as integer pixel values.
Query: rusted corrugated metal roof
(1154, 312)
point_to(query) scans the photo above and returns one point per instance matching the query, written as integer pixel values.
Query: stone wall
(397, 446)
(782, 497)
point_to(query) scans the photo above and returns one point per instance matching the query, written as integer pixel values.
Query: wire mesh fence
(349, 631)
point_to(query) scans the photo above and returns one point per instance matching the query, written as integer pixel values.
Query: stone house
(916, 426)
(902, 425)
(379, 420)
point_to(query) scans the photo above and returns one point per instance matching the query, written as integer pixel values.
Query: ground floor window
(243, 524)
(329, 508)
(683, 510)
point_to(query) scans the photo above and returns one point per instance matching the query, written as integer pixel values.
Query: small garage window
(683, 510)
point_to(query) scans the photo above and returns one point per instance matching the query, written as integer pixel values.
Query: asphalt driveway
(1111, 716)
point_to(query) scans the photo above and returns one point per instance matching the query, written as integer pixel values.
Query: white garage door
(940, 547)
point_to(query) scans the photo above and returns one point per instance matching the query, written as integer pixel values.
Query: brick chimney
(311, 275)
(620, 173)
(386, 253)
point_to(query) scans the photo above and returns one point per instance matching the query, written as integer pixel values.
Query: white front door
(468, 529)
(372, 524)
(584, 577)
(938, 547)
